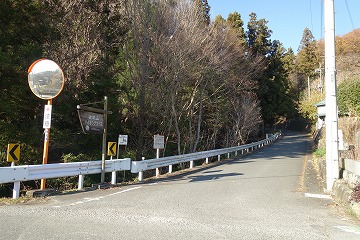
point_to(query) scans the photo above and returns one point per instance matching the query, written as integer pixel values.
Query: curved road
(262, 195)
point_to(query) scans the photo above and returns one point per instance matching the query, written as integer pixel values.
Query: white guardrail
(140, 166)
(16, 174)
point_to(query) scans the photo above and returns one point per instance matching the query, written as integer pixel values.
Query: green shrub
(320, 152)
(349, 97)
(67, 158)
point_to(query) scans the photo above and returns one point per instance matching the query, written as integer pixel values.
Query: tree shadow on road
(212, 177)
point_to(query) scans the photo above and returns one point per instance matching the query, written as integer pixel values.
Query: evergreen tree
(258, 35)
(236, 23)
(273, 85)
(279, 103)
(22, 34)
(204, 10)
(219, 22)
(307, 60)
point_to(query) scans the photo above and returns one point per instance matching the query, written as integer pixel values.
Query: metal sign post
(95, 120)
(46, 81)
(13, 155)
(122, 141)
(46, 125)
(104, 141)
(159, 143)
(112, 152)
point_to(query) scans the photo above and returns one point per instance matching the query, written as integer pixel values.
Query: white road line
(314, 195)
(86, 200)
(348, 229)
(126, 190)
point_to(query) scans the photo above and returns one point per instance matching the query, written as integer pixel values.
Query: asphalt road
(262, 195)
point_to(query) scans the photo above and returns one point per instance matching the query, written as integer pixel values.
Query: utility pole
(331, 119)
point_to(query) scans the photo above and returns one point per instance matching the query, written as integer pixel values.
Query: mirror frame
(31, 78)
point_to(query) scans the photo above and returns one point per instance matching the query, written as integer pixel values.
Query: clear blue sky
(288, 18)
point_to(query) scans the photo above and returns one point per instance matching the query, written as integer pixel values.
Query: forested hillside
(348, 85)
(165, 68)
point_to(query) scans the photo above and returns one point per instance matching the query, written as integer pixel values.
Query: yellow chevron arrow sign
(13, 152)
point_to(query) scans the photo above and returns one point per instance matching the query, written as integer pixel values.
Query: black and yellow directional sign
(13, 152)
(111, 149)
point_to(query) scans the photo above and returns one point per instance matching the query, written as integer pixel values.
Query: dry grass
(351, 131)
(355, 196)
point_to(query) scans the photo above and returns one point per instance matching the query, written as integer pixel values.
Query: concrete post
(331, 118)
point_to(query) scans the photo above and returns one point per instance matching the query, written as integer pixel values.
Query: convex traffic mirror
(46, 79)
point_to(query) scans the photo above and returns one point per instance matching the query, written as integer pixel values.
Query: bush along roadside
(355, 196)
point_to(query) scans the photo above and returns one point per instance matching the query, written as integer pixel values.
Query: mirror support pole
(46, 148)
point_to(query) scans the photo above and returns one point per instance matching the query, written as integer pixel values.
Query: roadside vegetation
(165, 67)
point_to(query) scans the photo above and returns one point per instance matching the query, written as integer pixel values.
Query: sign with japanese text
(159, 142)
(91, 122)
(123, 140)
(47, 116)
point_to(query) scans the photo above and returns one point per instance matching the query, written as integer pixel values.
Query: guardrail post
(191, 164)
(170, 168)
(141, 173)
(113, 177)
(228, 155)
(207, 160)
(141, 176)
(219, 157)
(81, 182)
(157, 172)
(236, 153)
(16, 190)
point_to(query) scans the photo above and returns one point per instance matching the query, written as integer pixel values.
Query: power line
(348, 9)
(321, 18)
(311, 18)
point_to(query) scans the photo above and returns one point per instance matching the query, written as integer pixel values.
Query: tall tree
(307, 60)
(274, 87)
(236, 23)
(203, 10)
(258, 35)
(306, 63)
(278, 104)
(22, 35)
(219, 22)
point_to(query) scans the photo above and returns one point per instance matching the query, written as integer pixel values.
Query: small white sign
(47, 116)
(159, 142)
(123, 140)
